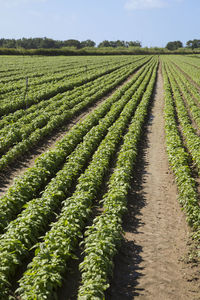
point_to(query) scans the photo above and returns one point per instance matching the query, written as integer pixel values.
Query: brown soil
(151, 263)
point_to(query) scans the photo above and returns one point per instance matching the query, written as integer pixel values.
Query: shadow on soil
(127, 270)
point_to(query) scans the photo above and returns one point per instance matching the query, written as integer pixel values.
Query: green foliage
(44, 43)
(65, 233)
(118, 44)
(79, 162)
(188, 89)
(104, 235)
(36, 177)
(37, 213)
(193, 44)
(189, 132)
(177, 155)
(30, 135)
(71, 51)
(174, 45)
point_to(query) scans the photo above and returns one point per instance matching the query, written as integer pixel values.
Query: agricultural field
(99, 177)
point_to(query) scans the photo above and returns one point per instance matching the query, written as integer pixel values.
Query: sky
(152, 22)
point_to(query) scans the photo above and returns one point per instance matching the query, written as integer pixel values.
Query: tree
(87, 43)
(174, 45)
(118, 43)
(105, 43)
(8, 43)
(193, 44)
(72, 43)
(134, 44)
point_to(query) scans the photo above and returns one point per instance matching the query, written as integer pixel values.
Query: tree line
(46, 43)
(192, 44)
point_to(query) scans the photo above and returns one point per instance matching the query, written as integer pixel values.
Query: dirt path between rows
(150, 264)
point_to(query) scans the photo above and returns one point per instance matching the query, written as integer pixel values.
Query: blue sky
(153, 22)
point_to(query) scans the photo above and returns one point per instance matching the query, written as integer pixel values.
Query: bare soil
(153, 260)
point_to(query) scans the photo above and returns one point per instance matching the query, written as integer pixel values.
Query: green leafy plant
(59, 243)
(179, 158)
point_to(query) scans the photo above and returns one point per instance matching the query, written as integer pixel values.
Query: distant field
(71, 132)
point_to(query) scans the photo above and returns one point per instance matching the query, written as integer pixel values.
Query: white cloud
(144, 4)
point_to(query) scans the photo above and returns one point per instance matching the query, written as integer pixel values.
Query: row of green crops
(45, 271)
(189, 132)
(31, 223)
(14, 84)
(46, 125)
(41, 66)
(70, 104)
(44, 105)
(36, 177)
(37, 80)
(75, 195)
(77, 91)
(189, 66)
(48, 90)
(53, 73)
(190, 94)
(104, 235)
(13, 65)
(178, 157)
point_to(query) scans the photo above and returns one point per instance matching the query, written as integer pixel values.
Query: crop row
(58, 96)
(49, 163)
(48, 90)
(16, 64)
(190, 94)
(31, 222)
(47, 74)
(104, 235)
(41, 66)
(25, 117)
(45, 271)
(179, 160)
(190, 70)
(50, 123)
(17, 131)
(44, 104)
(39, 70)
(52, 78)
(29, 185)
(189, 132)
